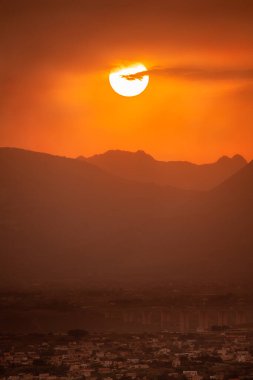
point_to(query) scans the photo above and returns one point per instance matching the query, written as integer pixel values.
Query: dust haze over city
(126, 189)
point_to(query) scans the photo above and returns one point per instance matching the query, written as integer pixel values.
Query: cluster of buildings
(214, 355)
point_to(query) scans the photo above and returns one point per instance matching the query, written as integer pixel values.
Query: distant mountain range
(67, 219)
(141, 167)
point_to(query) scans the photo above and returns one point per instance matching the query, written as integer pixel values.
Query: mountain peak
(223, 159)
(143, 154)
(237, 158)
(117, 153)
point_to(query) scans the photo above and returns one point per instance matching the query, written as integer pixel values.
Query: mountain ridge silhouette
(141, 166)
(64, 218)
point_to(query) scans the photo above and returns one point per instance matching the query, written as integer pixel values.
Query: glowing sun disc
(124, 83)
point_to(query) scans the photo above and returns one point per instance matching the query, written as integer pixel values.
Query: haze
(56, 57)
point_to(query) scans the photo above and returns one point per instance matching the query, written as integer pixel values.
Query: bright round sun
(129, 81)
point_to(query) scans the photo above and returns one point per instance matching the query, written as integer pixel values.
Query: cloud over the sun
(198, 73)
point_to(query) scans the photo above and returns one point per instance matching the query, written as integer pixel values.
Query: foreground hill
(63, 217)
(66, 219)
(142, 167)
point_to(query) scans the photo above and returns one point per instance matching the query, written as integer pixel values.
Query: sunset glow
(126, 190)
(62, 97)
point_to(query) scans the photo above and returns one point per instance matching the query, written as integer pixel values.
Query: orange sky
(56, 56)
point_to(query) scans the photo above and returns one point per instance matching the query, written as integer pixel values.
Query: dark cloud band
(198, 73)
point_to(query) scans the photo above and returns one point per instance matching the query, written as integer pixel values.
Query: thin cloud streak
(194, 73)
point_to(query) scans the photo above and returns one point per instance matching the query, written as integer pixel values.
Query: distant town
(77, 354)
(177, 332)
